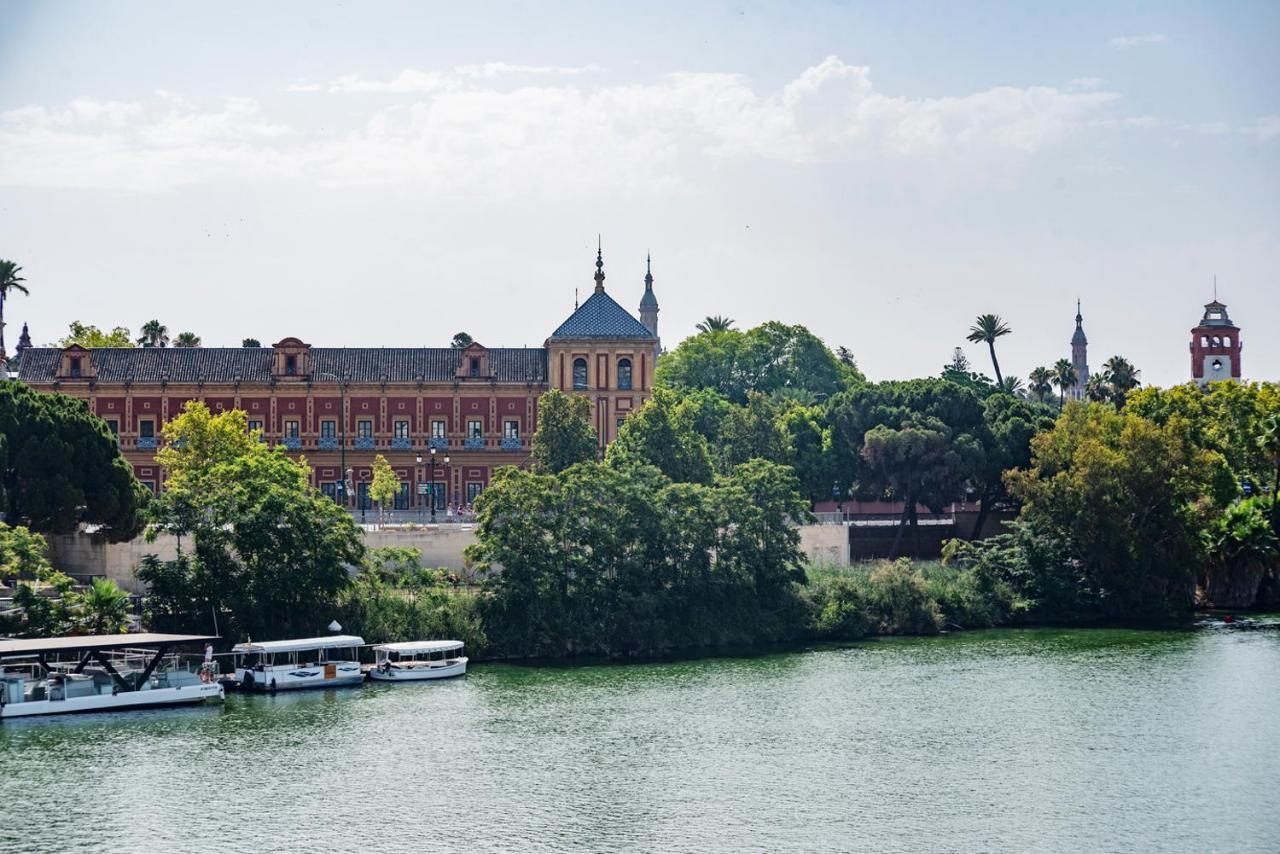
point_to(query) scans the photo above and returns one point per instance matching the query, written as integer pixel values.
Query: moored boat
(413, 661)
(286, 665)
(107, 673)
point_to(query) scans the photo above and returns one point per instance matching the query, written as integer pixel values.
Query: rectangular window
(291, 365)
(114, 426)
(291, 428)
(147, 429)
(364, 429)
(511, 429)
(402, 497)
(437, 429)
(475, 428)
(475, 366)
(75, 367)
(330, 489)
(328, 429)
(473, 491)
(255, 424)
(402, 429)
(362, 495)
(438, 487)
(151, 485)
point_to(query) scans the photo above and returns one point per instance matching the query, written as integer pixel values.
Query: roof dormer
(76, 364)
(473, 362)
(292, 360)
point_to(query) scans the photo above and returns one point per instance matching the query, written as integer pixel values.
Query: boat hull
(299, 678)
(178, 696)
(421, 673)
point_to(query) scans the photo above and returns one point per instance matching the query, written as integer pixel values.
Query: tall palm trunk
(991, 345)
(4, 354)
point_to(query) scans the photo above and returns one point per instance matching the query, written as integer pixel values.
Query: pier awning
(100, 643)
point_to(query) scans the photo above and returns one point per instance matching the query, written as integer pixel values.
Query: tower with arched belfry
(1079, 356)
(1215, 346)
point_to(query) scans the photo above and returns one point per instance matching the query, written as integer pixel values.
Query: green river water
(1026, 740)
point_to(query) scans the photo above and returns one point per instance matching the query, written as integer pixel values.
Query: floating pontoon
(105, 673)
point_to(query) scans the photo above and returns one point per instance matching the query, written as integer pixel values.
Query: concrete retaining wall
(826, 544)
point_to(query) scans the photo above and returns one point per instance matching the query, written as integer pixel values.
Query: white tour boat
(285, 665)
(415, 660)
(104, 673)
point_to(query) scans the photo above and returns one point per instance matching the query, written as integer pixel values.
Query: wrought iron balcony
(401, 443)
(511, 443)
(146, 443)
(364, 443)
(291, 443)
(439, 442)
(473, 443)
(327, 443)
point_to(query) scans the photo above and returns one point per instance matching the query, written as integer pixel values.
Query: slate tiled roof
(601, 317)
(253, 364)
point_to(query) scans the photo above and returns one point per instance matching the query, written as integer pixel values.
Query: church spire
(649, 302)
(24, 342)
(599, 267)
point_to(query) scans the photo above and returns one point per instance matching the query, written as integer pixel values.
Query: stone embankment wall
(439, 545)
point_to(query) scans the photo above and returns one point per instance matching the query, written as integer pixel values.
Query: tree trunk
(984, 507)
(995, 364)
(902, 524)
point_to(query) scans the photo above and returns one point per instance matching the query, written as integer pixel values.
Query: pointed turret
(1079, 356)
(24, 342)
(649, 302)
(599, 267)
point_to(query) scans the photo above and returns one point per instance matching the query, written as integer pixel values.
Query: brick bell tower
(1215, 346)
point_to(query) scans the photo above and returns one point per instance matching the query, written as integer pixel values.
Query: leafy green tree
(384, 486)
(564, 435)
(765, 359)
(187, 339)
(92, 337)
(661, 434)
(271, 554)
(1008, 425)
(1126, 499)
(10, 282)
(461, 341)
(23, 553)
(1122, 378)
(1064, 377)
(62, 466)
(154, 334)
(751, 432)
(1097, 389)
(251, 342)
(985, 330)
(1041, 382)
(715, 323)
(808, 450)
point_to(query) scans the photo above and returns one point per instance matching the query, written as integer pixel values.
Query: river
(1008, 740)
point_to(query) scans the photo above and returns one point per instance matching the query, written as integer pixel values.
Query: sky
(390, 174)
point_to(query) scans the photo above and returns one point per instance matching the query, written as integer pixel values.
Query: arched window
(1204, 340)
(1226, 341)
(624, 374)
(1217, 342)
(580, 373)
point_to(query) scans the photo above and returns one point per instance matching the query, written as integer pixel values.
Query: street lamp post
(431, 452)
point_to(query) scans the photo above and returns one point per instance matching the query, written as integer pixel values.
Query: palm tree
(715, 323)
(1098, 388)
(104, 607)
(9, 281)
(187, 339)
(154, 334)
(1014, 386)
(1041, 382)
(1123, 377)
(987, 328)
(1064, 377)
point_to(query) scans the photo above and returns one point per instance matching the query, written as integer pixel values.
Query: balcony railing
(146, 443)
(511, 443)
(364, 443)
(291, 443)
(438, 442)
(473, 443)
(327, 443)
(401, 443)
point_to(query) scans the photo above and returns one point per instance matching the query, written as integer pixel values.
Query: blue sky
(394, 173)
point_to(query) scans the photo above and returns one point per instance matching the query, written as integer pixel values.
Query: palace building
(462, 412)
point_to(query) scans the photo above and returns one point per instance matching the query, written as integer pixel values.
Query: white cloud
(1122, 42)
(463, 131)
(1266, 127)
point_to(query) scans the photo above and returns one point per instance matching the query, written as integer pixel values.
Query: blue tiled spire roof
(601, 317)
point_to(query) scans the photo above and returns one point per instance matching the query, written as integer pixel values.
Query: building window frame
(364, 428)
(475, 428)
(580, 374)
(146, 428)
(511, 428)
(439, 428)
(624, 374)
(292, 428)
(328, 428)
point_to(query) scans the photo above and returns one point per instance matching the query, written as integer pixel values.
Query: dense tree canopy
(661, 434)
(91, 336)
(564, 435)
(766, 359)
(62, 466)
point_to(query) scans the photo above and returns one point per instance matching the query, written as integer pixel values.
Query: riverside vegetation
(683, 536)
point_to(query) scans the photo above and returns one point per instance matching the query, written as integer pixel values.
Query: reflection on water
(1006, 740)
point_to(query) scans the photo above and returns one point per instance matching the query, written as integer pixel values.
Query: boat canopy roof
(38, 646)
(419, 646)
(301, 644)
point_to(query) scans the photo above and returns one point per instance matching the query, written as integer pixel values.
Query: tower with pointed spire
(1079, 356)
(1215, 345)
(24, 342)
(599, 266)
(649, 302)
